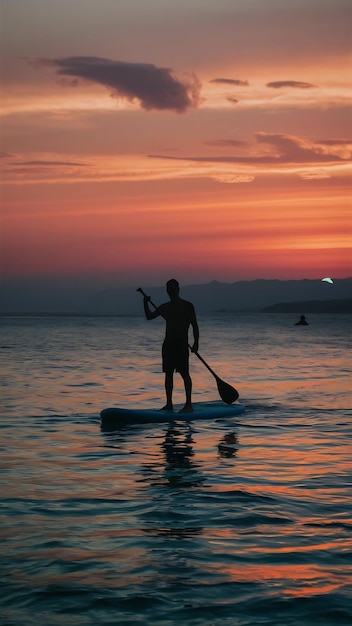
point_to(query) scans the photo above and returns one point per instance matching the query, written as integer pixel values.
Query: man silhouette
(179, 315)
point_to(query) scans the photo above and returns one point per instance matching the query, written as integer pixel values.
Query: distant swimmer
(302, 321)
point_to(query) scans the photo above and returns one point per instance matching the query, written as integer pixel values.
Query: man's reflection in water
(174, 474)
(228, 445)
(180, 468)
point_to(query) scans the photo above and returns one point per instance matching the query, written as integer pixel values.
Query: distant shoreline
(311, 306)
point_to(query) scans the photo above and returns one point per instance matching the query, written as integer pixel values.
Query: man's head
(172, 288)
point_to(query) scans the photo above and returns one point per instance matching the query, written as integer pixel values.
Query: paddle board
(116, 417)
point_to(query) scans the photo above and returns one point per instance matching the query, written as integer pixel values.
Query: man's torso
(178, 315)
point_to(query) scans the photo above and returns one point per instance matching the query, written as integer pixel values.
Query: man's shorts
(175, 355)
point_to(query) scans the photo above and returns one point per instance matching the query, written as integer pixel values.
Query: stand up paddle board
(115, 417)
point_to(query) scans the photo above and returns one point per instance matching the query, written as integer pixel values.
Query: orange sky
(203, 140)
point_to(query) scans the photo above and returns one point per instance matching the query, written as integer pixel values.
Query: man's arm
(195, 329)
(150, 315)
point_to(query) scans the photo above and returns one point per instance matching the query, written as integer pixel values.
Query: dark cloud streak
(336, 142)
(7, 155)
(154, 87)
(279, 84)
(50, 163)
(226, 143)
(230, 81)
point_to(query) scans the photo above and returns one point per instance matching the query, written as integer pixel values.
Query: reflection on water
(182, 469)
(228, 445)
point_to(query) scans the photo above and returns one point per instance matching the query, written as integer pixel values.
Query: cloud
(230, 81)
(279, 84)
(21, 170)
(314, 175)
(336, 142)
(6, 155)
(341, 147)
(154, 87)
(231, 179)
(279, 148)
(227, 142)
(293, 149)
(50, 163)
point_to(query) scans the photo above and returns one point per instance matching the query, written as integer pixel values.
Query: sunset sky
(201, 139)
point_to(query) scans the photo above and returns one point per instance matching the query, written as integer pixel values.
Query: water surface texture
(239, 521)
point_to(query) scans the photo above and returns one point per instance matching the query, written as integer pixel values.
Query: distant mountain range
(299, 296)
(311, 306)
(215, 296)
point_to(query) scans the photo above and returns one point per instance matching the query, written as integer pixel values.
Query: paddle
(227, 393)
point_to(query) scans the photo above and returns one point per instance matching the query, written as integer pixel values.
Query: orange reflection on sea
(294, 579)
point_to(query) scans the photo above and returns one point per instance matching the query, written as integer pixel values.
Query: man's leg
(188, 389)
(169, 386)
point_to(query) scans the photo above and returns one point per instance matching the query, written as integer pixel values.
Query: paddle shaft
(227, 393)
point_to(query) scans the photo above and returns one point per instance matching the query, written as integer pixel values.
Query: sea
(241, 521)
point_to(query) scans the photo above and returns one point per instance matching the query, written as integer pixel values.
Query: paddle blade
(227, 393)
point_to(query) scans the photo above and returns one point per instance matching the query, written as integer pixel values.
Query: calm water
(242, 521)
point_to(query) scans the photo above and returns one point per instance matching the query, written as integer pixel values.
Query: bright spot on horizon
(328, 280)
